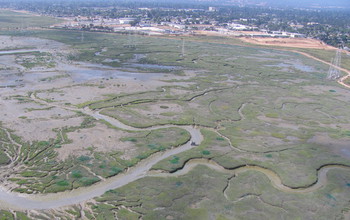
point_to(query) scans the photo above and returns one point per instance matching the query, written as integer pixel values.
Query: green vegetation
(16, 20)
(6, 215)
(146, 144)
(186, 197)
(347, 81)
(52, 78)
(44, 173)
(35, 59)
(4, 159)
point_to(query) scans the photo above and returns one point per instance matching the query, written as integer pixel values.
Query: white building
(126, 20)
(212, 9)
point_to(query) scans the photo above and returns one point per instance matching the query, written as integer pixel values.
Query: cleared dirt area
(288, 42)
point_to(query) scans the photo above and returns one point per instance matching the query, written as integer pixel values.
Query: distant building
(239, 27)
(126, 20)
(297, 26)
(286, 34)
(297, 35)
(212, 9)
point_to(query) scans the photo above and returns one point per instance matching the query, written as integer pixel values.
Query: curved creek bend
(18, 201)
(54, 200)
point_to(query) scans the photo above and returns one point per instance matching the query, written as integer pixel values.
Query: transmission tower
(183, 48)
(82, 36)
(334, 72)
(131, 41)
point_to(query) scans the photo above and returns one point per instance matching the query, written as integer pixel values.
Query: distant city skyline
(285, 3)
(268, 3)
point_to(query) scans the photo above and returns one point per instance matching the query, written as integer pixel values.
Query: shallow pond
(152, 66)
(8, 52)
(297, 64)
(85, 72)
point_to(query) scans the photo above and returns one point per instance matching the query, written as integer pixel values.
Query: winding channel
(274, 178)
(18, 201)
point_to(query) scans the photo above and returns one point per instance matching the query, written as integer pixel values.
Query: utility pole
(131, 40)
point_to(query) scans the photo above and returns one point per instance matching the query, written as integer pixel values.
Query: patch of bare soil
(280, 123)
(34, 122)
(288, 42)
(41, 128)
(157, 110)
(101, 138)
(263, 143)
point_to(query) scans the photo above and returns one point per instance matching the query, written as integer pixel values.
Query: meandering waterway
(55, 200)
(18, 201)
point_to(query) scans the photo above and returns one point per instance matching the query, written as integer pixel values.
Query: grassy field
(226, 202)
(16, 20)
(207, 194)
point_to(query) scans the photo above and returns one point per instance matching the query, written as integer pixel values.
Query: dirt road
(341, 80)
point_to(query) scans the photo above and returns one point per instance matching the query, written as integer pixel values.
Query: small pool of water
(152, 66)
(7, 52)
(84, 72)
(296, 65)
(304, 68)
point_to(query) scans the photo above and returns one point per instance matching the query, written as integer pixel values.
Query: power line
(334, 72)
(131, 40)
(183, 48)
(82, 36)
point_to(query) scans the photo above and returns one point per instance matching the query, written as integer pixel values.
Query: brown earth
(101, 138)
(288, 42)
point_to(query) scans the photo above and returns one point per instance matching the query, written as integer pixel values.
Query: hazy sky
(306, 3)
(301, 3)
(280, 3)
